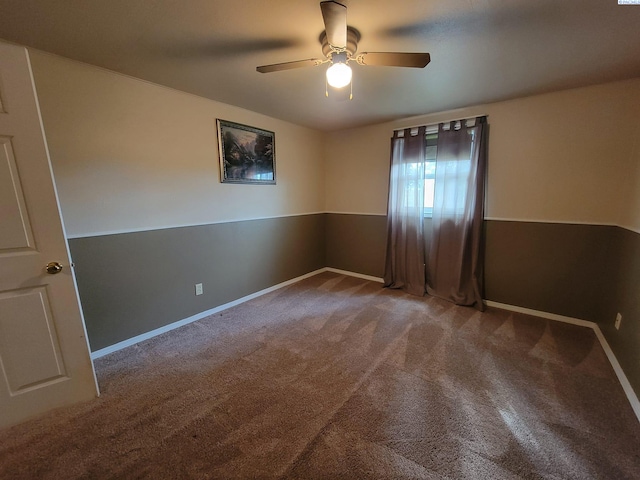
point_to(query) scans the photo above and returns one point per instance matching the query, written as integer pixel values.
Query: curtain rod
(435, 124)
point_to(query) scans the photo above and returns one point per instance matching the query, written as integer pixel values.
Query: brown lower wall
(356, 243)
(133, 283)
(588, 272)
(550, 267)
(625, 300)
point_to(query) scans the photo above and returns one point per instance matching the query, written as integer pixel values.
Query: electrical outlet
(198, 289)
(618, 321)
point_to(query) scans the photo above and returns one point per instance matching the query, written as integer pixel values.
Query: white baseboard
(538, 313)
(622, 378)
(354, 274)
(177, 324)
(626, 386)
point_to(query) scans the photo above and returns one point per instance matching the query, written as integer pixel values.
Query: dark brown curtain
(455, 263)
(405, 263)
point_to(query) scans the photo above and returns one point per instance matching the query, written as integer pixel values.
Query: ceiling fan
(339, 46)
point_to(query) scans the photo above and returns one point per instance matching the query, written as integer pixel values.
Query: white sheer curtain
(405, 260)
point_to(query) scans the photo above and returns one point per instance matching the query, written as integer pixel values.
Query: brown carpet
(336, 377)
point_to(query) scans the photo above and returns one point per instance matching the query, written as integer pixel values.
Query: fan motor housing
(353, 36)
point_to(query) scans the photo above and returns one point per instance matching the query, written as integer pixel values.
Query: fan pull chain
(326, 89)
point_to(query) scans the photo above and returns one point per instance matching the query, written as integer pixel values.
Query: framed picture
(247, 154)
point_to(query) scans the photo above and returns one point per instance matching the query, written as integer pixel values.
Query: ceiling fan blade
(276, 67)
(335, 23)
(394, 59)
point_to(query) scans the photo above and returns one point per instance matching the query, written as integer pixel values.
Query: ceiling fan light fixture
(339, 73)
(339, 46)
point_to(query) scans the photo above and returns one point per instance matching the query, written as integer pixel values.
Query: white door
(44, 354)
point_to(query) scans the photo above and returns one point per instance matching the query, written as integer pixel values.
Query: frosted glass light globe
(339, 75)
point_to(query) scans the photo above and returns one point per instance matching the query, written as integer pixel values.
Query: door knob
(53, 268)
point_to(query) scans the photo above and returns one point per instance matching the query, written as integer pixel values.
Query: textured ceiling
(481, 50)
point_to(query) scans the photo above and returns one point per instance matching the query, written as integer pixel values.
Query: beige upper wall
(357, 170)
(560, 157)
(129, 155)
(630, 213)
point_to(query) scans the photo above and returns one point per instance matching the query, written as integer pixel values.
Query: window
(412, 171)
(430, 173)
(457, 172)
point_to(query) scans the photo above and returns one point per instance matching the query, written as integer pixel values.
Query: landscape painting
(247, 154)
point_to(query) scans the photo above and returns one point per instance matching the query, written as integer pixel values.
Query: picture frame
(247, 154)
